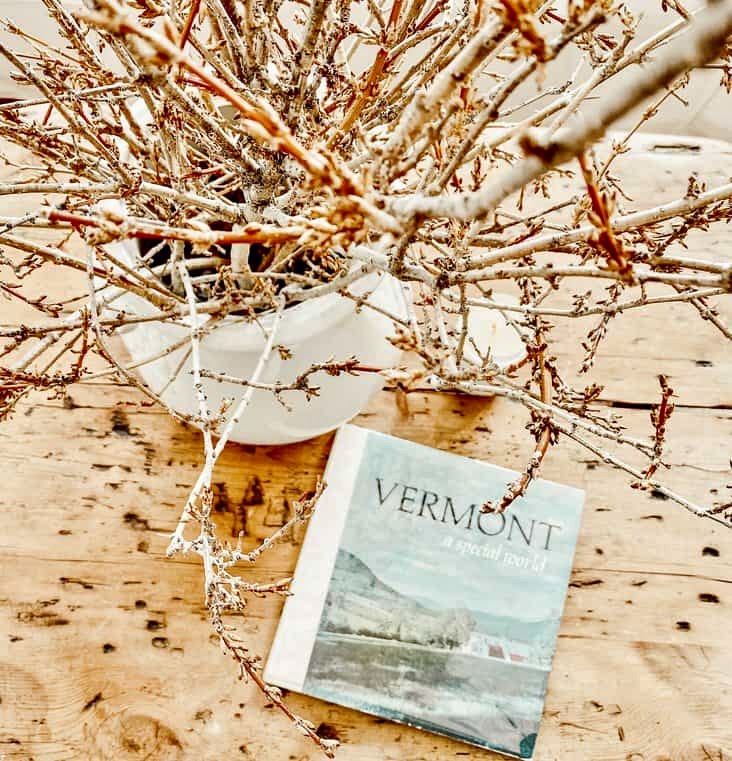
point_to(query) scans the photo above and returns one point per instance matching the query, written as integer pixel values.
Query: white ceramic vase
(317, 330)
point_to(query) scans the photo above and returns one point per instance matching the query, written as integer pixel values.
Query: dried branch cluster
(266, 152)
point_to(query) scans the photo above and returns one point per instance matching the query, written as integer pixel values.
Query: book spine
(289, 657)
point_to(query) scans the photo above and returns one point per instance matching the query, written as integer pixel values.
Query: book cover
(411, 604)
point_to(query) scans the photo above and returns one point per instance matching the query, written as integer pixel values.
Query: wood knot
(133, 737)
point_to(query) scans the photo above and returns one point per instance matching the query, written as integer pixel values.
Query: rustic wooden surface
(106, 652)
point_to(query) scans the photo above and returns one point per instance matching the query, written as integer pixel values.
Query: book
(410, 603)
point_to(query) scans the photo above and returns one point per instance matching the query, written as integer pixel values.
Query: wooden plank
(121, 454)
(668, 338)
(108, 652)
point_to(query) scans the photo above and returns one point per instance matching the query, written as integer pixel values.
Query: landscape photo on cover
(440, 616)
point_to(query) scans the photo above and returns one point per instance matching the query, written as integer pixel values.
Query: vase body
(329, 327)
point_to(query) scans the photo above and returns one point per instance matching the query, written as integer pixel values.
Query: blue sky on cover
(406, 551)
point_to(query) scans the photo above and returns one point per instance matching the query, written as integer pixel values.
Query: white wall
(708, 114)
(32, 17)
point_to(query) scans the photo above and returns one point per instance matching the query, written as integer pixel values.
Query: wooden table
(105, 648)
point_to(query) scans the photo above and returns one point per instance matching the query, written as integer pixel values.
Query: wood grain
(106, 648)
(106, 652)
